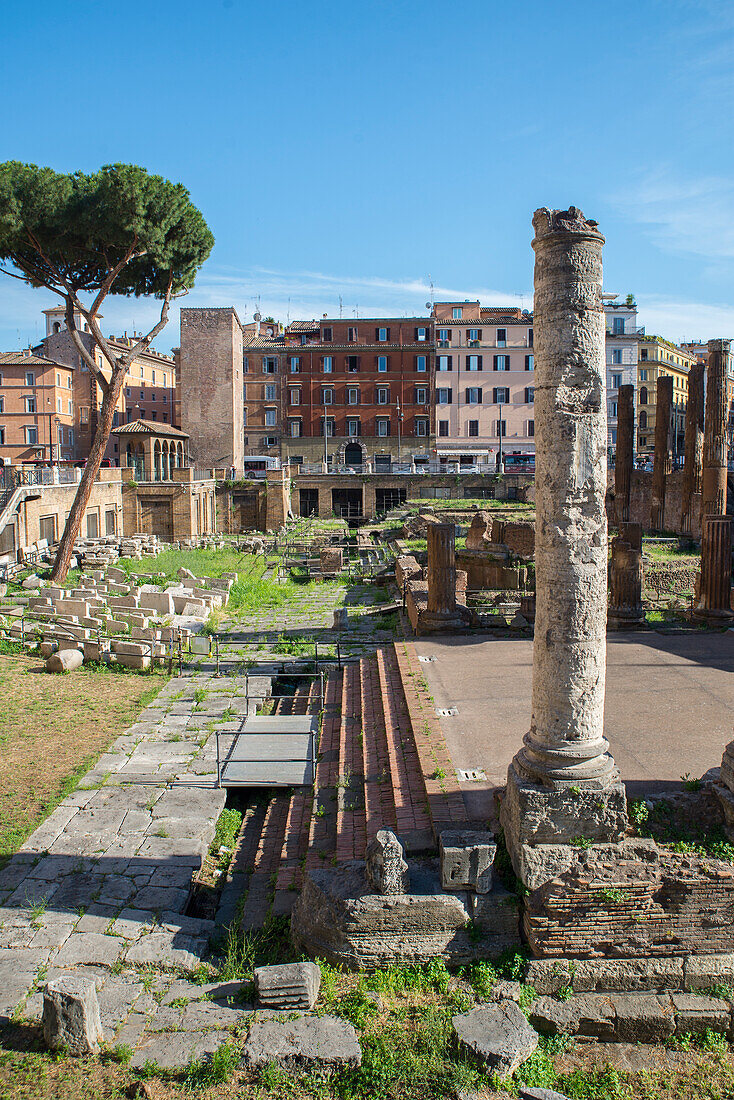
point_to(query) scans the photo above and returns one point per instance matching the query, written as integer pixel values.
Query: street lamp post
(499, 436)
(400, 424)
(57, 422)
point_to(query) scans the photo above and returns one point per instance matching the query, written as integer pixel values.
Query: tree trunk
(89, 476)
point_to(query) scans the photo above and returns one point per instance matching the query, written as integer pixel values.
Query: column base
(545, 829)
(439, 622)
(624, 618)
(714, 617)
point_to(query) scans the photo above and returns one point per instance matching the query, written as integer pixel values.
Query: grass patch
(52, 729)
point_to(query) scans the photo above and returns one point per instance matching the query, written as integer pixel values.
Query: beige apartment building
(659, 357)
(36, 410)
(484, 382)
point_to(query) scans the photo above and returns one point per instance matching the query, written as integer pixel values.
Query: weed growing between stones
(202, 1073)
(660, 821)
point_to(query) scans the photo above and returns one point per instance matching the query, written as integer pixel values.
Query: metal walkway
(276, 750)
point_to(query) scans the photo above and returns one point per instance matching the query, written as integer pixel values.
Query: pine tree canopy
(71, 230)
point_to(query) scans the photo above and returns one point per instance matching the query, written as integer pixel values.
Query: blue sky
(354, 149)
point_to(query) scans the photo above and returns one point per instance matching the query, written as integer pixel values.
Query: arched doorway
(353, 454)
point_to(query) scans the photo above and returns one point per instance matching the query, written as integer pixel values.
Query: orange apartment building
(148, 393)
(36, 410)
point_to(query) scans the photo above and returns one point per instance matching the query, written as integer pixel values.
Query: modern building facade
(622, 336)
(658, 357)
(484, 388)
(148, 393)
(357, 391)
(36, 410)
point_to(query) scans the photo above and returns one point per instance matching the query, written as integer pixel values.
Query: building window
(30, 404)
(152, 377)
(444, 362)
(270, 366)
(352, 395)
(30, 378)
(294, 395)
(643, 376)
(531, 429)
(421, 395)
(616, 381)
(327, 335)
(142, 395)
(68, 381)
(353, 364)
(327, 364)
(327, 426)
(618, 326)
(529, 362)
(643, 395)
(421, 335)
(420, 363)
(245, 365)
(165, 398)
(382, 364)
(616, 355)
(501, 395)
(383, 395)
(2, 404)
(643, 423)
(443, 428)
(473, 395)
(457, 313)
(500, 428)
(475, 335)
(2, 437)
(327, 397)
(270, 418)
(472, 428)
(530, 337)
(295, 428)
(612, 408)
(443, 396)
(244, 416)
(444, 337)
(501, 337)
(295, 364)
(154, 415)
(31, 434)
(354, 427)
(643, 355)
(529, 395)
(473, 362)
(270, 440)
(383, 427)
(421, 426)
(153, 396)
(383, 335)
(351, 336)
(271, 392)
(501, 362)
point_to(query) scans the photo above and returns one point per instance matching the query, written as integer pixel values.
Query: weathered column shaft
(693, 461)
(624, 455)
(715, 451)
(661, 460)
(569, 656)
(563, 784)
(441, 568)
(716, 566)
(625, 606)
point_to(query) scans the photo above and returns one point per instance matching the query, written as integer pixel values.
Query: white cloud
(677, 320)
(694, 216)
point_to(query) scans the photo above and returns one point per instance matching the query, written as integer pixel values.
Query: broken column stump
(386, 869)
(71, 1019)
(625, 606)
(714, 605)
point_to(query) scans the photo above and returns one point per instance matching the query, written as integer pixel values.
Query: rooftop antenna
(430, 283)
(340, 306)
(355, 311)
(288, 315)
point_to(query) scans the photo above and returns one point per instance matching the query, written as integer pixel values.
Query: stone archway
(351, 452)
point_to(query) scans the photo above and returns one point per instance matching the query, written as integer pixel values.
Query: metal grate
(471, 775)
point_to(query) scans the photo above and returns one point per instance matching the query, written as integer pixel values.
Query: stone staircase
(382, 763)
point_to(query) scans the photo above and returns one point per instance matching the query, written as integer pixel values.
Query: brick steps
(378, 790)
(350, 817)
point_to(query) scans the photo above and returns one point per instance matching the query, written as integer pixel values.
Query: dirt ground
(52, 727)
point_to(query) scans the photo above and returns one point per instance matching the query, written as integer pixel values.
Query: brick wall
(212, 386)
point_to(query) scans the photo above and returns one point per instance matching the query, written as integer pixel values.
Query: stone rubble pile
(114, 618)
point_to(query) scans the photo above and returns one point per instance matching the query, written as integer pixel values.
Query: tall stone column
(715, 454)
(693, 461)
(624, 457)
(441, 569)
(714, 605)
(661, 460)
(625, 605)
(563, 784)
